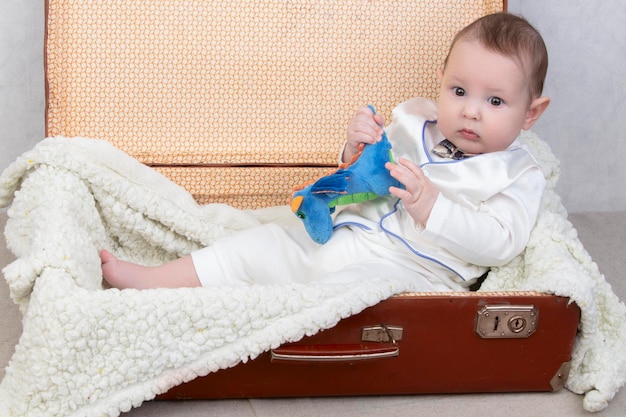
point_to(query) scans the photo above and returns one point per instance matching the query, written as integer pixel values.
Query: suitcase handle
(334, 353)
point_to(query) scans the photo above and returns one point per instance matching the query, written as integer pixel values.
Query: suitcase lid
(230, 83)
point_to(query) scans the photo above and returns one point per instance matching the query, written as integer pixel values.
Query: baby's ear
(535, 110)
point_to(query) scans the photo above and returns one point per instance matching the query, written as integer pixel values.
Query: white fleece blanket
(89, 351)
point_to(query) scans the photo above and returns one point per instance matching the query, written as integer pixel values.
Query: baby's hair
(511, 36)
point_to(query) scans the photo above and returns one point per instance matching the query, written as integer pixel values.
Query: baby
(471, 190)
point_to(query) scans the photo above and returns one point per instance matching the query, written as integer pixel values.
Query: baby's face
(484, 99)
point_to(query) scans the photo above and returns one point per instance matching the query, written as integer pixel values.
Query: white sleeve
(495, 233)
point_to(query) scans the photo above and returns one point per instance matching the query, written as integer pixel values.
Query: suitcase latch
(506, 321)
(382, 334)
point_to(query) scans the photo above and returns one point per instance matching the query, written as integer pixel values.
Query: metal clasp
(506, 321)
(382, 334)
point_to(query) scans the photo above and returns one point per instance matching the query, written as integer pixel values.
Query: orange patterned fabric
(227, 82)
(241, 187)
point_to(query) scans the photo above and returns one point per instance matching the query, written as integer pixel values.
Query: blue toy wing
(336, 182)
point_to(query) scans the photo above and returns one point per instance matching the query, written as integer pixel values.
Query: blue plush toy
(363, 178)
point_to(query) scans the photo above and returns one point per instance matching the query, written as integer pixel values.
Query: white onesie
(483, 216)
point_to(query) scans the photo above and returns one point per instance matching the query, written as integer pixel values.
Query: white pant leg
(274, 254)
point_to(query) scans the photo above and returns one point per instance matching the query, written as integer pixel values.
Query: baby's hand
(420, 194)
(364, 127)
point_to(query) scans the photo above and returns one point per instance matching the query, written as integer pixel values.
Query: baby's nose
(471, 110)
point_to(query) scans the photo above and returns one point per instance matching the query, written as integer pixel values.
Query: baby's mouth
(468, 134)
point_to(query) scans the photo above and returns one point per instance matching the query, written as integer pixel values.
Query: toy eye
(301, 215)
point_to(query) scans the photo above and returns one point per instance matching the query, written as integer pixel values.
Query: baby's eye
(458, 91)
(495, 101)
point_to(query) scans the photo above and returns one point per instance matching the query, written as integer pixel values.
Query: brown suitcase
(412, 344)
(282, 119)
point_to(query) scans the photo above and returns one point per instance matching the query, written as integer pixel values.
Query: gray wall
(21, 77)
(585, 124)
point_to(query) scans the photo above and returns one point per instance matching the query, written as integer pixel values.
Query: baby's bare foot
(110, 268)
(123, 274)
